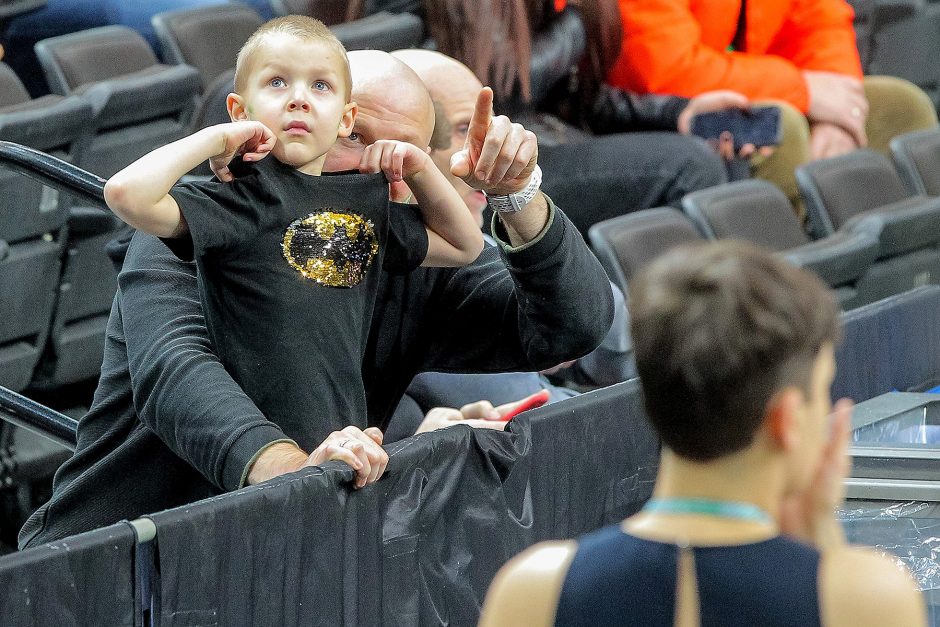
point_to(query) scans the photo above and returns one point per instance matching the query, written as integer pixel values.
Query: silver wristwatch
(515, 202)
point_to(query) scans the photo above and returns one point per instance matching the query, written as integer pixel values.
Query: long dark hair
(492, 37)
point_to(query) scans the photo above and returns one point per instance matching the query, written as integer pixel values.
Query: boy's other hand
(397, 160)
(253, 140)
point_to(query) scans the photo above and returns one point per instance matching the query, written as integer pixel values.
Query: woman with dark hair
(537, 58)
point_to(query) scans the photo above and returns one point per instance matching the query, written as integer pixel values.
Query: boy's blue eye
(321, 85)
(277, 82)
(354, 137)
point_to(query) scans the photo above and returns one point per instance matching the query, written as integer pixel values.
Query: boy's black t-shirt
(288, 268)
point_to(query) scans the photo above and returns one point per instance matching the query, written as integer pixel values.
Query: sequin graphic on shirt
(332, 248)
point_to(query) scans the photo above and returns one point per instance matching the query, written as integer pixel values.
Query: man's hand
(362, 450)
(479, 415)
(828, 140)
(839, 100)
(397, 160)
(498, 156)
(810, 515)
(253, 140)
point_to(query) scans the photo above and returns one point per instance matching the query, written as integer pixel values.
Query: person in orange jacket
(800, 54)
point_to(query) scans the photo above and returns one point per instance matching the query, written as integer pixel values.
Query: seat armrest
(49, 122)
(902, 226)
(839, 259)
(155, 92)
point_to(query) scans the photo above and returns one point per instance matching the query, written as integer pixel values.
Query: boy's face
(297, 88)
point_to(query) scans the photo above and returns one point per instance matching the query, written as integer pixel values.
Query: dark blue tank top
(618, 579)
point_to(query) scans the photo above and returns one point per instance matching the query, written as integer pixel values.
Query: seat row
(873, 228)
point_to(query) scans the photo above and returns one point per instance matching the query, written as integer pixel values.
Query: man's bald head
(440, 73)
(393, 103)
(454, 88)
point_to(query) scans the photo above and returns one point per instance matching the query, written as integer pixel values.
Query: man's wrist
(277, 458)
(527, 227)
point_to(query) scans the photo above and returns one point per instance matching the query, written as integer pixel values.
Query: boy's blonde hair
(300, 26)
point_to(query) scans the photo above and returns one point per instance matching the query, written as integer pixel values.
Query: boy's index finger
(480, 121)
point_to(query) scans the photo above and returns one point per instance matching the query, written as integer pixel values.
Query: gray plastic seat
(329, 12)
(32, 224)
(381, 31)
(137, 105)
(759, 212)
(917, 157)
(207, 38)
(627, 243)
(861, 192)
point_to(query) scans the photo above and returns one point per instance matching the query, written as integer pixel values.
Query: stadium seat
(626, 243)
(861, 192)
(381, 31)
(32, 224)
(757, 211)
(891, 34)
(917, 156)
(137, 106)
(207, 38)
(329, 12)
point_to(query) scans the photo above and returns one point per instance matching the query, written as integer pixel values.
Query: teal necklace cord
(705, 507)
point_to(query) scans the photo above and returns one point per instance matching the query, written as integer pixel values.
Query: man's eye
(321, 85)
(277, 81)
(462, 129)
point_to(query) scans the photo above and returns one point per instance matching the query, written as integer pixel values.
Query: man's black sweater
(169, 426)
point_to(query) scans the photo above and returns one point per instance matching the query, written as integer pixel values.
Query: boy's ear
(236, 108)
(348, 120)
(782, 417)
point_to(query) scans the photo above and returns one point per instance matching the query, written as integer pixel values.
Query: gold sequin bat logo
(332, 248)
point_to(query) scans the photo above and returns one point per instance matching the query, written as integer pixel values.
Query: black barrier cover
(271, 554)
(87, 579)
(892, 344)
(593, 460)
(421, 546)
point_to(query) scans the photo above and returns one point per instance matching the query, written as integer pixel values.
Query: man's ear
(237, 110)
(348, 121)
(782, 417)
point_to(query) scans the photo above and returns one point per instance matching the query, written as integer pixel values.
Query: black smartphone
(759, 126)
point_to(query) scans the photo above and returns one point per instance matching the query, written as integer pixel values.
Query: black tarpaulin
(86, 579)
(421, 546)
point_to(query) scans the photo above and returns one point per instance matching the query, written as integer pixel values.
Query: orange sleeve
(663, 53)
(818, 35)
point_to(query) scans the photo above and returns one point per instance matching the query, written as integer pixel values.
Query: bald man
(169, 426)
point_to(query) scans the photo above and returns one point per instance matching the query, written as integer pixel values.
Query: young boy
(289, 260)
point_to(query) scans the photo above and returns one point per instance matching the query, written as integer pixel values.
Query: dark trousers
(611, 175)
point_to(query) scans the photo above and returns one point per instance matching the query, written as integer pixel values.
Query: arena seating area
(98, 98)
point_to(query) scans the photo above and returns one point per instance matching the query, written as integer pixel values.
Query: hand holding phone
(758, 126)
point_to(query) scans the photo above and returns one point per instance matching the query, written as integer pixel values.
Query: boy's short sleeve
(220, 217)
(407, 244)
